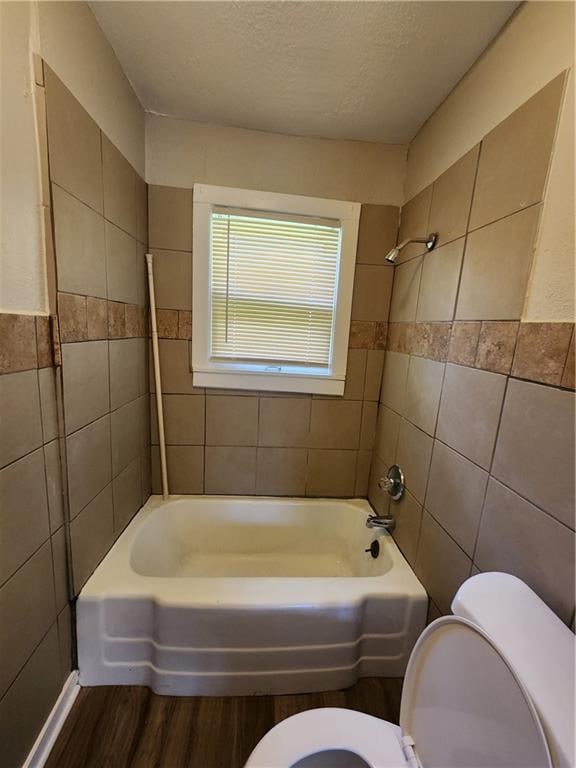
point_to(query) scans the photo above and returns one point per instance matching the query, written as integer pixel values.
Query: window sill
(269, 382)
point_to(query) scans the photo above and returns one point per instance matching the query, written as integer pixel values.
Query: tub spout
(381, 521)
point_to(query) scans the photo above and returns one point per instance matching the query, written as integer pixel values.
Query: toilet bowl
(330, 737)
(471, 697)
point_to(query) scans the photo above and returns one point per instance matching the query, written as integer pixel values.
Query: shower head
(430, 241)
(392, 255)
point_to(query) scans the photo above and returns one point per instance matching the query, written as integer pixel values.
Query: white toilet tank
(536, 643)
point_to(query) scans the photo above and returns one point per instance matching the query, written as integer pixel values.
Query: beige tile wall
(35, 639)
(56, 524)
(244, 442)
(100, 228)
(476, 406)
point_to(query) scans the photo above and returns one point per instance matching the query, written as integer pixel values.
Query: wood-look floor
(130, 727)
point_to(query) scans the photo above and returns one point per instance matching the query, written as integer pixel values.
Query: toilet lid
(463, 705)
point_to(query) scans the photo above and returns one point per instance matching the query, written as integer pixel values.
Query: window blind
(273, 283)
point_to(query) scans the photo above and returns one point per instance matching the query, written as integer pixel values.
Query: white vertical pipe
(156, 357)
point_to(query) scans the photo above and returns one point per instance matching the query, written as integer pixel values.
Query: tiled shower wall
(35, 632)
(476, 406)
(244, 442)
(100, 234)
(75, 439)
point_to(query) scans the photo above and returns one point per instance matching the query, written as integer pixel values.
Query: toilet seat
(318, 730)
(463, 706)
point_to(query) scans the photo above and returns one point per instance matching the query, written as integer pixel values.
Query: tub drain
(374, 549)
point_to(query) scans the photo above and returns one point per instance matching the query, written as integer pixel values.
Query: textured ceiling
(357, 70)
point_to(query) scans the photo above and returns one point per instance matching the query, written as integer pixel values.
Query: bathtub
(240, 595)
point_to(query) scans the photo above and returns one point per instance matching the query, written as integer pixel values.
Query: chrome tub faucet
(387, 522)
(393, 484)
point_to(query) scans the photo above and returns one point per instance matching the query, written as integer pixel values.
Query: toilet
(488, 687)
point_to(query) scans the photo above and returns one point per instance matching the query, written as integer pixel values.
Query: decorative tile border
(570, 367)
(24, 342)
(496, 346)
(86, 318)
(368, 335)
(44, 342)
(540, 352)
(464, 342)
(174, 323)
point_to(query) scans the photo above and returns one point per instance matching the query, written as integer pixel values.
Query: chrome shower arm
(430, 242)
(409, 240)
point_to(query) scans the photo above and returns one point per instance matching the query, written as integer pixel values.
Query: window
(272, 290)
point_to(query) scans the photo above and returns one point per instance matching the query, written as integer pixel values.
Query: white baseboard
(54, 722)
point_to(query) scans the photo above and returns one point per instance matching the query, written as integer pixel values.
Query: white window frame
(210, 373)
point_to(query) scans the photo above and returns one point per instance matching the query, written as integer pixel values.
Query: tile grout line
(54, 623)
(45, 473)
(30, 556)
(60, 409)
(25, 455)
(498, 480)
(465, 247)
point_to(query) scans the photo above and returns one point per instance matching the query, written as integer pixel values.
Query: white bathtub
(221, 595)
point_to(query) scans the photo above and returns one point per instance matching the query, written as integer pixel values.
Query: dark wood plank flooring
(130, 727)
